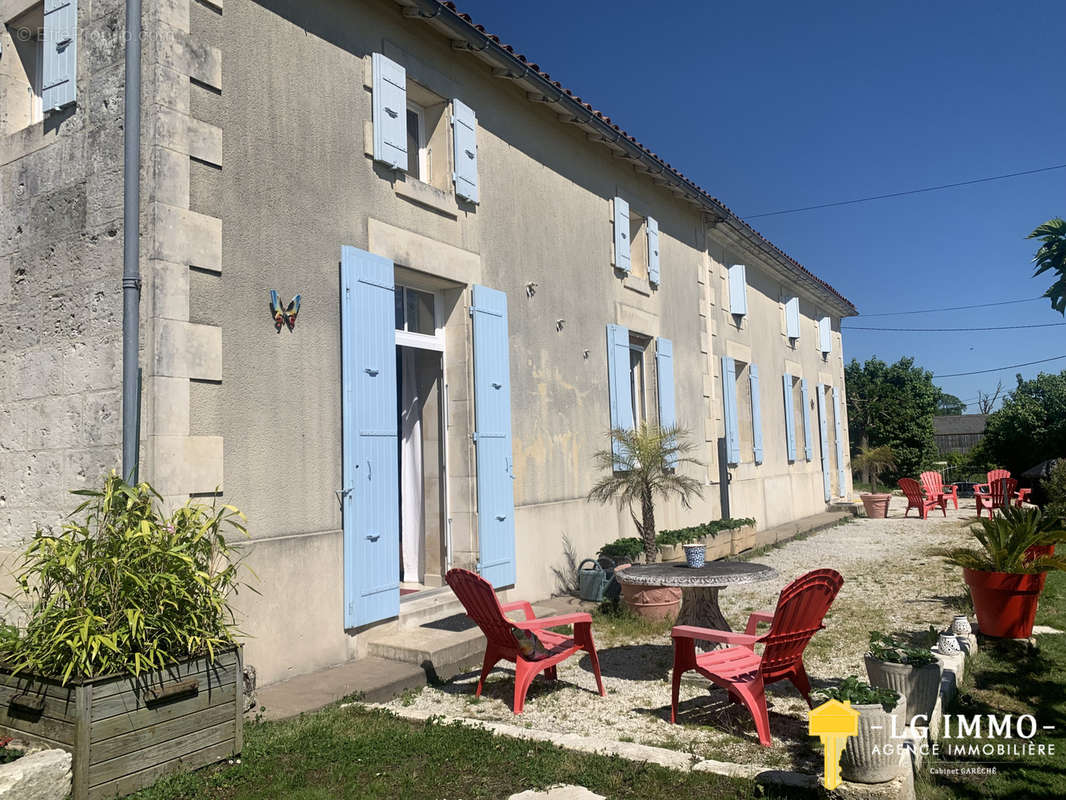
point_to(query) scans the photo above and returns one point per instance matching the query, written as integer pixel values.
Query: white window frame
(37, 82)
(423, 142)
(424, 340)
(638, 393)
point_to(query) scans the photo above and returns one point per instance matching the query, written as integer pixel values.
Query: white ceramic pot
(960, 626)
(948, 644)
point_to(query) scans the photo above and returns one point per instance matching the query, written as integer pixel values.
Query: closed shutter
(738, 290)
(492, 438)
(756, 413)
(390, 112)
(823, 434)
(621, 399)
(59, 72)
(792, 318)
(664, 375)
(839, 430)
(808, 449)
(825, 335)
(621, 234)
(371, 505)
(729, 408)
(653, 250)
(464, 157)
(790, 419)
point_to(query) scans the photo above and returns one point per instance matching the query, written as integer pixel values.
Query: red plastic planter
(1005, 602)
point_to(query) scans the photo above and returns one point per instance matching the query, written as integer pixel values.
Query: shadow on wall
(566, 573)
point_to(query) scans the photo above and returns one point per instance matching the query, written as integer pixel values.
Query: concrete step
(427, 606)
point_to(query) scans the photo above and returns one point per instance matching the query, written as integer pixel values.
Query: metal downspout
(131, 249)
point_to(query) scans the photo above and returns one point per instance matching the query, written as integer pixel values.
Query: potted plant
(127, 630)
(1007, 575)
(873, 461)
(913, 672)
(871, 756)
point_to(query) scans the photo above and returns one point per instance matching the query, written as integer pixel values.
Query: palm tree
(644, 463)
(873, 461)
(1052, 256)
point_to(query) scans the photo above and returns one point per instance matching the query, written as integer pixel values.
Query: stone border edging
(41, 775)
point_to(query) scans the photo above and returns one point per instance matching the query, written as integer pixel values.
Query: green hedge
(626, 549)
(697, 533)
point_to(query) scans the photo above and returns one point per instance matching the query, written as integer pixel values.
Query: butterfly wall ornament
(284, 316)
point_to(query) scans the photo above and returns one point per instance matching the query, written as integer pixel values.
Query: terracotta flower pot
(1005, 602)
(876, 505)
(652, 602)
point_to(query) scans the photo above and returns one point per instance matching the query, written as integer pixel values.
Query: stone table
(699, 586)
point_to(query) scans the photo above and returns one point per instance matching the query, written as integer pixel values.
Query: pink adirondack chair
(995, 476)
(1000, 492)
(743, 673)
(912, 490)
(481, 604)
(933, 483)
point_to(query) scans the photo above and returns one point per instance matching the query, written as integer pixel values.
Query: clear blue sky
(775, 105)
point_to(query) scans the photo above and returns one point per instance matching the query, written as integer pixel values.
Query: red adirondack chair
(995, 476)
(995, 497)
(915, 499)
(481, 604)
(933, 483)
(738, 669)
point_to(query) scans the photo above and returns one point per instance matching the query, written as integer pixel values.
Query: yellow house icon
(833, 722)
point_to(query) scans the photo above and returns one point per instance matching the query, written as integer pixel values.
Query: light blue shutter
(621, 234)
(841, 483)
(729, 404)
(653, 250)
(371, 505)
(823, 433)
(464, 140)
(808, 449)
(664, 375)
(825, 335)
(492, 418)
(60, 47)
(618, 380)
(390, 112)
(792, 318)
(756, 413)
(790, 419)
(738, 290)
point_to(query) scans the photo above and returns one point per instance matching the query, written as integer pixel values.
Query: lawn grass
(355, 752)
(1008, 678)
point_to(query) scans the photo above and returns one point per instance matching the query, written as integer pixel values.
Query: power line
(954, 308)
(908, 192)
(954, 330)
(1000, 369)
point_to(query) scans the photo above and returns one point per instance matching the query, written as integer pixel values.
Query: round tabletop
(680, 575)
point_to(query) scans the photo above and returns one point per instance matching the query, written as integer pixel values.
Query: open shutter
(756, 413)
(790, 419)
(823, 433)
(664, 374)
(808, 449)
(792, 318)
(839, 431)
(492, 438)
(653, 250)
(371, 504)
(59, 71)
(825, 335)
(390, 112)
(621, 234)
(464, 157)
(729, 407)
(738, 290)
(618, 380)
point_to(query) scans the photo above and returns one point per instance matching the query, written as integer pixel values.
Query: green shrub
(1006, 540)
(696, 533)
(123, 589)
(626, 549)
(887, 649)
(1055, 486)
(857, 692)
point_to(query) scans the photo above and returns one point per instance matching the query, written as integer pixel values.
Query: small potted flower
(872, 755)
(913, 672)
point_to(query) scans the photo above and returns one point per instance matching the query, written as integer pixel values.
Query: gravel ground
(893, 581)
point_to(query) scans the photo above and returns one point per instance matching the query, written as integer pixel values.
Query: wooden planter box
(125, 733)
(743, 539)
(718, 545)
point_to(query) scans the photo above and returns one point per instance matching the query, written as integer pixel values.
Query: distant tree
(893, 405)
(986, 402)
(1030, 426)
(1052, 257)
(950, 405)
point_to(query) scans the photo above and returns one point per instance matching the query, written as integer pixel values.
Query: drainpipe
(131, 245)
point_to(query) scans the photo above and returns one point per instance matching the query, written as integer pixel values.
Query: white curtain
(412, 492)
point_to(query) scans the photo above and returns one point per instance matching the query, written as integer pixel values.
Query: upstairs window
(738, 290)
(417, 153)
(22, 100)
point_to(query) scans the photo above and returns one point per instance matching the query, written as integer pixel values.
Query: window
(638, 247)
(22, 97)
(640, 378)
(417, 153)
(416, 311)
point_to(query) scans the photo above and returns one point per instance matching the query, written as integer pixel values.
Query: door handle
(497, 385)
(390, 112)
(371, 371)
(373, 537)
(501, 517)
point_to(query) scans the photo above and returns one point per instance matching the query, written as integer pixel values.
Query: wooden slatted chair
(912, 490)
(483, 606)
(738, 669)
(933, 483)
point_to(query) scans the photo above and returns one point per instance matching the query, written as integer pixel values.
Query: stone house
(492, 274)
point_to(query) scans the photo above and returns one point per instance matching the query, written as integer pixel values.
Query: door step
(427, 606)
